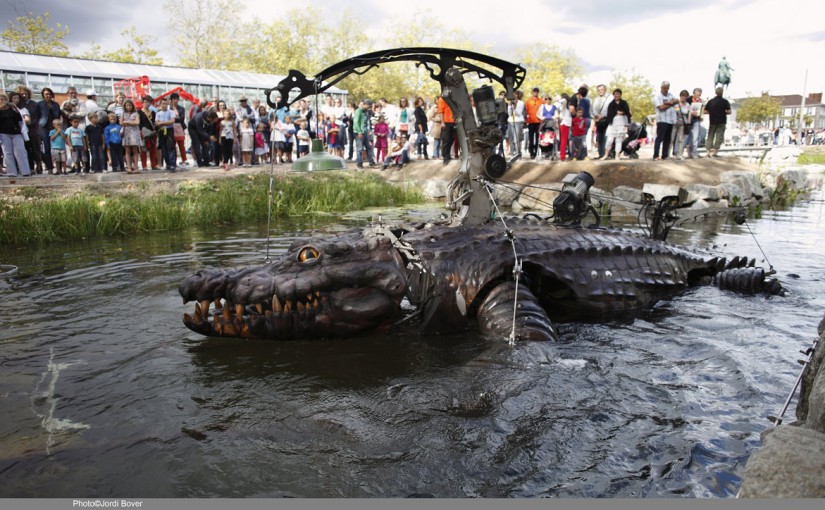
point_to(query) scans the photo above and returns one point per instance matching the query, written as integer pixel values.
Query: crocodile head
(319, 288)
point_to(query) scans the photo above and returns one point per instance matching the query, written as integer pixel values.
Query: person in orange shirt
(448, 129)
(532, 106)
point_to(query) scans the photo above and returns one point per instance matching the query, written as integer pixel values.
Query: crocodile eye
(307, 254)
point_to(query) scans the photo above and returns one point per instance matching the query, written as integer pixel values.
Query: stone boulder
(790, 464)
(704, 192)
(748, 182)
(794, 178)
(505, 195)
(537, 199)
(434, 188)
(729, 190)
(628, 194)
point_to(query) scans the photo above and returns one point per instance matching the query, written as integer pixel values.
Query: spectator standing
(15, 102)
(57, 140)
(405, 119)
(164, 120)
(382, 134)
(585, 105)
(48, 111)
(72, 107)
(117, 106)
(91, 104)
(501, 121)
(302, 138)
(278, 140)
(94, 137)
(334, 137)
(434, 116)
(179, 127)
(665, 105)
(717, 109)
(26, 100)
(147, 133)
(696, 109)
(515, 117)
(361, 130)
(80, 148)
(618, 115)
(247, 139)
(531, 107)
(228, 136)
(599, 115)
(350, 129)
(579, 130)
(682, 126)
(130, 121)
(420, 128)
(114, 144)
(565, 122)
(289, 134)
(11, 139)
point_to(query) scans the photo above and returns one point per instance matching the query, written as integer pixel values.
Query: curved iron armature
(509, 75)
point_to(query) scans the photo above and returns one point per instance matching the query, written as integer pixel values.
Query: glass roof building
(58, 73)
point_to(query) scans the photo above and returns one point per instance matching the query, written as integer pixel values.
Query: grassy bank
(31, 217)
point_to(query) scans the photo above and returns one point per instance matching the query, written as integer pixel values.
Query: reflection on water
(105, 393)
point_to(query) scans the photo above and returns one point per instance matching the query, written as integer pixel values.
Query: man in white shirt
(599, 114)
(665, 119)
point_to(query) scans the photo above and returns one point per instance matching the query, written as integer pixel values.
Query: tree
(136, 51)
(550, 68)
(759, 110)
(30, 34)
(637, 91)
(207, 33)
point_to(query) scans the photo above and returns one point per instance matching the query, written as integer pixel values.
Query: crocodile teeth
(276, 304)
(260, 308)
(205, 307)
(288, 306)
(309, 297)
(299, 306)
(239, 310)
(316, 304)
(226, 313)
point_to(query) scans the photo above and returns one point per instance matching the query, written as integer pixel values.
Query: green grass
(92, 213)
(810, 159)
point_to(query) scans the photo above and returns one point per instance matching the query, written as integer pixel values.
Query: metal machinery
(469, 201)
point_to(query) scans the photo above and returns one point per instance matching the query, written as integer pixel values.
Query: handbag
(146, 132)
(179, 136)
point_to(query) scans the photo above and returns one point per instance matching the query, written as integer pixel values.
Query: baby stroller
(547, 139)
(636, 133)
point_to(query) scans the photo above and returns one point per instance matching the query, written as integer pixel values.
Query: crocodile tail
(747, 279)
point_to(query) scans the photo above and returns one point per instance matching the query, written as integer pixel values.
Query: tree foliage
(637, 91)
(758, 110)
(136, 51)
(550, 68)
(207, 33)
(32, 34)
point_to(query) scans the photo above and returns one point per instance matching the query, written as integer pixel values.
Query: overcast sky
(769, 43)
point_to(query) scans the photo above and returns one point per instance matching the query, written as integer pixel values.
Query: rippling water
(105, 393)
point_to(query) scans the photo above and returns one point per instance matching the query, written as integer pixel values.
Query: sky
(770, 44)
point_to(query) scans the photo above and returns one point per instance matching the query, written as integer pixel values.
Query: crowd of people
(80, 136)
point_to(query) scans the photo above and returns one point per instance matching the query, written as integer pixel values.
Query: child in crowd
(114, 143)
(261, 149)
(334, 138)
(322, 129)
(579, 129)
(132, 139)
(303, 139)
(247, 142)
(278, 140)
(94, 137)
(289, 134)
(399, 153)
(80, 150)
(227, 139)
(58, 141)
(381, 130)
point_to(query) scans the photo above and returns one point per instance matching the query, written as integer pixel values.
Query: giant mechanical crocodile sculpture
(455, 278)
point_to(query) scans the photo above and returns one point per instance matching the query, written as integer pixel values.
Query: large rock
(505, 194)
(730, 190)
(628, 194)
(748, 182)
(704, 192)
(795, 178)
(434, 188)
(790, 464)
(538, 199)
